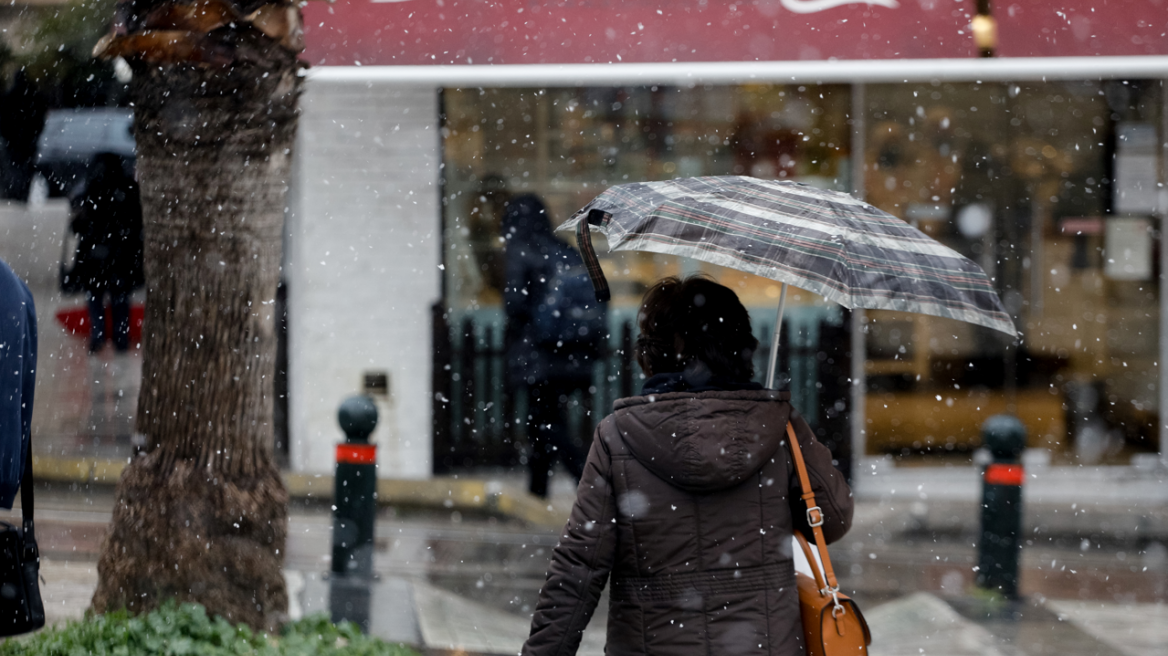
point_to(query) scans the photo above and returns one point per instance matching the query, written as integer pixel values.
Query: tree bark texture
(201, 513)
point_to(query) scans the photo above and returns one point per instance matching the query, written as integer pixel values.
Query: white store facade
(370, 229)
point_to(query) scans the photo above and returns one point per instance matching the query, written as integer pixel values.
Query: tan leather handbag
(832, 623)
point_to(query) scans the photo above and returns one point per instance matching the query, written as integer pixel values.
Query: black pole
(834, 376)
(467, 379)
(626, 360)
(441, 388)
(354, 514)
(1001, 506)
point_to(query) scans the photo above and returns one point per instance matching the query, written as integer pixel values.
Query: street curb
(99, 471)
(439, 493)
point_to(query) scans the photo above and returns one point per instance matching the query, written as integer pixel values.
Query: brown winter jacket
(688, 501)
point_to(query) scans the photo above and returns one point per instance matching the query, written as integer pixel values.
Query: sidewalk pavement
(416, 612)
(459, 583)
(1121, 502)
(919, 624)
(461, 559)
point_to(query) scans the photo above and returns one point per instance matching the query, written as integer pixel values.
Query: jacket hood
(704, 441)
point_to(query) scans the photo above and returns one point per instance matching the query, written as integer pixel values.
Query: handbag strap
(802, 540)
(814, 517)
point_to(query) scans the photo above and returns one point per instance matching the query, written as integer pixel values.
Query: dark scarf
(696, 377)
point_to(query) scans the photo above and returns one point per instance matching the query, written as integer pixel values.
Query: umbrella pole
(774, 359)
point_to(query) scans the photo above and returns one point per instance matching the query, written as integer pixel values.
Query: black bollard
(1001, 506)
(354, 513)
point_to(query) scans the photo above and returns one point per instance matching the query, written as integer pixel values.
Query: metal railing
(480, 421)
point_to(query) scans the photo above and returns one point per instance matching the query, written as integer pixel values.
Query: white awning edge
(778, 72)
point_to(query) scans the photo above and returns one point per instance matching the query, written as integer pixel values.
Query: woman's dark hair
(702, 318)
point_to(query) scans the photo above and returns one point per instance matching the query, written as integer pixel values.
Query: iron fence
(480, 421)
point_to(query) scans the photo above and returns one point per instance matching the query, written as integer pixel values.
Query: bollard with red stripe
(354, 514)
(1000, 545)
(356, 490)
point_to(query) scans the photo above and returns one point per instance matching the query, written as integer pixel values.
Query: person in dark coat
(551, 376)
(18, 354)
(108, 223)
(689, 498)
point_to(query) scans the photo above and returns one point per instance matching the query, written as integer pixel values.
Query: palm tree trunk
(201, 514)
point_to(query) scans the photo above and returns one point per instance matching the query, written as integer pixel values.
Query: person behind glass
(108, 223)
(18, 361)
(689, 498)
(550, 373)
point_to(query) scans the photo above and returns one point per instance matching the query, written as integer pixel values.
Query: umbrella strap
(591, 262)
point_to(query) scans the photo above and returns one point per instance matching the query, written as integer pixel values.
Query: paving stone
(1027, 628)
(1132, 629)
(392, 611)
(923, 625)
(453, 623)
(67, 589)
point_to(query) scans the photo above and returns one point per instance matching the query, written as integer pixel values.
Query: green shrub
(186, 630)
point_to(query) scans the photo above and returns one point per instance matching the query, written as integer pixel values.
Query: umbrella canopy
(825, 242)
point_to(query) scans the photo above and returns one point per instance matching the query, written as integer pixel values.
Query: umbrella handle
(774, 358)
(591, 262)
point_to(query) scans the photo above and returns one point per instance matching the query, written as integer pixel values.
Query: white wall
(362, 267)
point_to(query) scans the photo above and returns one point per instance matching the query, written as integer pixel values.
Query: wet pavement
(449, 581)
(1131, 629)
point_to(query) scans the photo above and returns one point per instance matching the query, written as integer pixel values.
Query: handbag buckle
(837, 613)
(814, 516)
(838, 609)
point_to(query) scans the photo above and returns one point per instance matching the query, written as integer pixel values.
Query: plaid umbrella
(823, 241)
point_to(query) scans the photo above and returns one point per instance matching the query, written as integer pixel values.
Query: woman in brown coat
(689, 499)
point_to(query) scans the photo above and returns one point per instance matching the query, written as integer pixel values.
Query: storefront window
(567, 146)
(1049, 187)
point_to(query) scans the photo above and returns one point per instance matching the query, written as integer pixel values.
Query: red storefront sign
(602, 31)
(1075, 28)
(481, 32)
